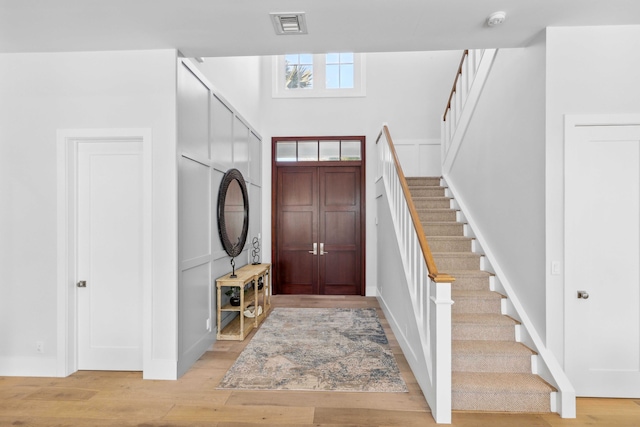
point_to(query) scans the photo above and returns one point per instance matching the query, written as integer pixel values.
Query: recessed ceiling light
(289, 23)
(496, 18)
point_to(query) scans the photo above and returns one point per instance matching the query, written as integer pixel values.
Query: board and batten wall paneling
(194, 218)
(212, 138)
(221, 134)
(241, 147)
(255, 160)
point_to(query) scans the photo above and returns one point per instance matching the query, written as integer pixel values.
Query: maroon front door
(318, 230)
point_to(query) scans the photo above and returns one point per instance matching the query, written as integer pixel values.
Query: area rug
(321, 349)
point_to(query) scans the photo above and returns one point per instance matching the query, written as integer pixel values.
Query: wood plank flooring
(93, 398)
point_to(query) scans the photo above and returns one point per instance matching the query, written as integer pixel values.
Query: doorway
(602, 251)
(318, 215)
(104, 193)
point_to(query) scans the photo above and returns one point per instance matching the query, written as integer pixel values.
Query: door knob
(583, 294)
(82, 284)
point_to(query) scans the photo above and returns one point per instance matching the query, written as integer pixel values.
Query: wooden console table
(247, 280)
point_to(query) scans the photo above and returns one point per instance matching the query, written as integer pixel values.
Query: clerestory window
(310, 150)
(319, 75)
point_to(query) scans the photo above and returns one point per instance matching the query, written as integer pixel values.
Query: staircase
(491, 371)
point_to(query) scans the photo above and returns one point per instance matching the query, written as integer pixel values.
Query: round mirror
(233, 212)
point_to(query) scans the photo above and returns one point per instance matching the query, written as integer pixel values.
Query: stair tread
(492, 382)
(431, 198)
(464, 238)
(468, 273)
(490, 348)
(442, 223)
(468, 294)
(482, 319)
(422, 178)
(466, 254)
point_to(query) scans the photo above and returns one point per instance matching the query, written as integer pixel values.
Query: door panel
(110, 255)
(602, 257)
(343, 229)
(298, 189)
(297, 213)
(340, 230)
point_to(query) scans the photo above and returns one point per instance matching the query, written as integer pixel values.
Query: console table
(247, 280)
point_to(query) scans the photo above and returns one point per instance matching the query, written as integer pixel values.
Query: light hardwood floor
(91, 398)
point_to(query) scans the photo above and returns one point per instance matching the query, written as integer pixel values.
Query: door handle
(322, 252)
(82, 284)
(583, 294)
(315, 249)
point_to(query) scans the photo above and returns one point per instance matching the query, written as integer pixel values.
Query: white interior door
(602, 258)
(109, 256)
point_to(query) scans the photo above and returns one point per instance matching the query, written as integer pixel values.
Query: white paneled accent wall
(212, 138)
(419, 157)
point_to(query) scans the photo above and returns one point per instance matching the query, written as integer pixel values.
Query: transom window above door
(318, 150)
(305, 75)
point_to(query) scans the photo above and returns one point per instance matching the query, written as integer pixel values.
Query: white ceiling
(243, 27)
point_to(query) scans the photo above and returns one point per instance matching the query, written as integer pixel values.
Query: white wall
(407, 90)
(40, 93)
(590, 70)
(499, 172)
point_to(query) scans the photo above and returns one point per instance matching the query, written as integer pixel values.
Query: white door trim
(67, 164)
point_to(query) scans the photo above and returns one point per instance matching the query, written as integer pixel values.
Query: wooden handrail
(424, 245)
(455, 82)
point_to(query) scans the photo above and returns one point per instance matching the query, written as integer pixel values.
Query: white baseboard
(155, 369)
(28, 367)
(160, 369)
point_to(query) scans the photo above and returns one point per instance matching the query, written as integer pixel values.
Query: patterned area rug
(321, 349)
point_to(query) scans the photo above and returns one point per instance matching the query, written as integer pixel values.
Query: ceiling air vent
(289, 23)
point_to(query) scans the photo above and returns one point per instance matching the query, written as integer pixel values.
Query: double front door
(318, 229)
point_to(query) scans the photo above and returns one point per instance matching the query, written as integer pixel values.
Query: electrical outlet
(208, 324)
(39, 347)
(555, 268)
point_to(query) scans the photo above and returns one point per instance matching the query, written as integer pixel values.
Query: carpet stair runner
(491, 371)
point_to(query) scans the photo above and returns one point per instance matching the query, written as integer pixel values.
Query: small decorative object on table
(255, 252)
(235, 296)
(233, 268)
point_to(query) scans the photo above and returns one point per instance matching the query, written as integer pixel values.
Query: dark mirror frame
(230, 247)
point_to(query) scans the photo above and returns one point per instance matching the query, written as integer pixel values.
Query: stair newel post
(440, 299)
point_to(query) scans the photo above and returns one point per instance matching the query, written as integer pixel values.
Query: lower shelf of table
(232, 332)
